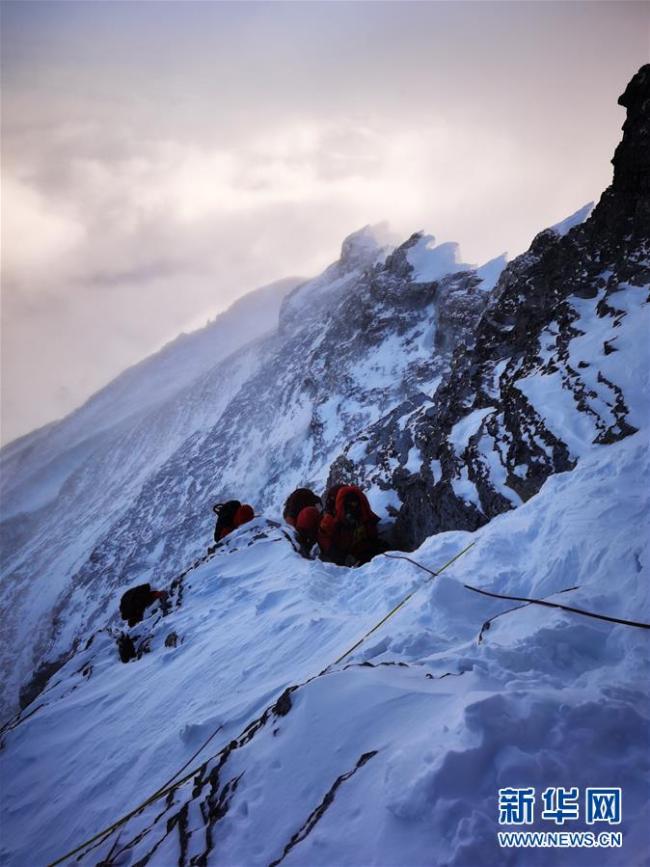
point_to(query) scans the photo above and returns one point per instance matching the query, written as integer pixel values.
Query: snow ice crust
(430, 261)
(546, 698)
(575, 219)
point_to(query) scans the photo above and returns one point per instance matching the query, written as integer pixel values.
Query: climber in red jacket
(307, 526)
(301, 498)
(231, 515)
(302, 511)
(348, 537)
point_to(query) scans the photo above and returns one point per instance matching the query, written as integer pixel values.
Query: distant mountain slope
(34, 467)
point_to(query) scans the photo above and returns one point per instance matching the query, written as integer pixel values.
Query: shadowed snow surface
(411, 747)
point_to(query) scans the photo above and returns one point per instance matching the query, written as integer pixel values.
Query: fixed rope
(533, 601)
(106, 833)
(569, 608)
(488, 623)
(170, 786)
(401, 603)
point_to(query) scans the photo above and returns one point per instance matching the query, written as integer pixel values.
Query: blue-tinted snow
(257, 618)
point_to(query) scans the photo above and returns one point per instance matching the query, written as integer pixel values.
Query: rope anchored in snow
(569, 608)
(399, 604)
(170, 786)
(488, 623)
(529, 601)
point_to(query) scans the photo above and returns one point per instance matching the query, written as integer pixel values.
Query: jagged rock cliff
(526, 395)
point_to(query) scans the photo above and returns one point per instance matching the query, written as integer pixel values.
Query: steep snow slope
(420, 742)
(34, 468)
(65, 486)
(270, 417)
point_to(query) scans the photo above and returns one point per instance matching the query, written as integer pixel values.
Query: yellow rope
(108, 831)
(160, 793)
(399, 604)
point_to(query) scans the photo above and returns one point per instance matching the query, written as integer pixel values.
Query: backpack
(225, 516)
(134, 602)
(301, 498)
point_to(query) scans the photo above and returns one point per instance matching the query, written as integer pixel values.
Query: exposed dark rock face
(40, 679)
(511, 444)
(314, 817)
(628, 198)
(126, 648)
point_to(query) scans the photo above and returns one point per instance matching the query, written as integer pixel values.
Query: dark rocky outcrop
(41, 677)
(525, 328)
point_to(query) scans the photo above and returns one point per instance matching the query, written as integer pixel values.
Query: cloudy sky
(160, 159)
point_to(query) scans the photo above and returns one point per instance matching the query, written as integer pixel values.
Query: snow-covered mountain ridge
(142, 504)
(453, 397)
(545, 698)
(558, 360)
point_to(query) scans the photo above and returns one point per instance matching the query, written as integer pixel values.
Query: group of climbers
(341, 524)
(344, 526)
